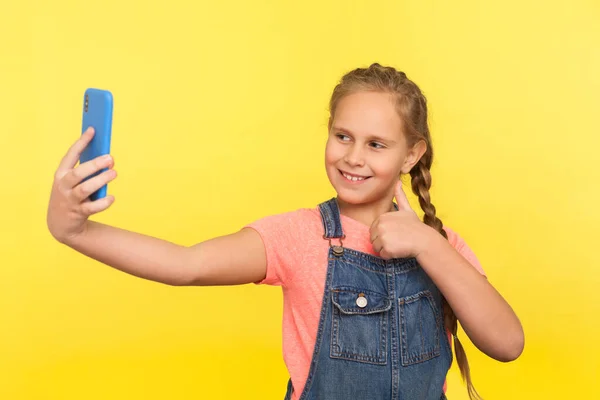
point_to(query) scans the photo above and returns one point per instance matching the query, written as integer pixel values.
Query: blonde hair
(412, 109)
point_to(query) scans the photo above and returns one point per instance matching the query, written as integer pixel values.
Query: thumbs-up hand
(399, 234)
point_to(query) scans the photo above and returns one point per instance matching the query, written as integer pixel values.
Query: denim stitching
(379, 359)
(396, 266)
(325, 219)
(445, 341)
(394, 338)
(329, 223)
(336, 218)
(313, 363)
(409, 359)
(387, 304)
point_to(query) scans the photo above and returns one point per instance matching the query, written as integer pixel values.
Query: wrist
(73, 239)
(429, 238)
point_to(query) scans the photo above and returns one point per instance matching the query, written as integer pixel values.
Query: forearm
(483, 313)
(133, 253)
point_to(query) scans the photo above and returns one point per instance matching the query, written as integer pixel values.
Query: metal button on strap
(361, 301)
(338, 250)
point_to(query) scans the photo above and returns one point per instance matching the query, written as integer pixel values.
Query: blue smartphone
(97, 113)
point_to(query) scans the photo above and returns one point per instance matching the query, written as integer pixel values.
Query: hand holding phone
(70, 206)
(97, 114)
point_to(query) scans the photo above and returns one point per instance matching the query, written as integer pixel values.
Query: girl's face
(366, 150)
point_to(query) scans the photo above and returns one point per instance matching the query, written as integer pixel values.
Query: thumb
(401, 198)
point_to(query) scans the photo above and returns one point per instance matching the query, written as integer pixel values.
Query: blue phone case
(97, 113)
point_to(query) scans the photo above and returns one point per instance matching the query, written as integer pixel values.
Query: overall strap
(330, 216)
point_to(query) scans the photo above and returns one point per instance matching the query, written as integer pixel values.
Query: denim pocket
(420, 328)
(359, 325)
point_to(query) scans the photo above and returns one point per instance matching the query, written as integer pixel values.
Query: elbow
(182, 279)
(512, 347)
(510, 355)
(185, 272)
(177, 283)
(172, 280)
(179, 280)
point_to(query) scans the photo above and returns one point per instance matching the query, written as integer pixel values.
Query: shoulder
(287, 238)
(454, 238)
(296, 219)
(289, 227)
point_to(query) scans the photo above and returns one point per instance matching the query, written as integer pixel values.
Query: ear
(414, 155)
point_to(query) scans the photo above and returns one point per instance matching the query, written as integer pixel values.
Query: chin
(350, 195)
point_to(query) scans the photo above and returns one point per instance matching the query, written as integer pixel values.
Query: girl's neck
(365, 213)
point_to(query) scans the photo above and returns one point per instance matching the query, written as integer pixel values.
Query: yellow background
(220, 119)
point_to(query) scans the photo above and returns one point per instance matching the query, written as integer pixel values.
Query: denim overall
(381, 333)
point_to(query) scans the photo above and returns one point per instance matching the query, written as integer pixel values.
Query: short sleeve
(281, 236)
(463, 249)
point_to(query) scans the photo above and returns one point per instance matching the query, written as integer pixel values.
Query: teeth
(353, 178)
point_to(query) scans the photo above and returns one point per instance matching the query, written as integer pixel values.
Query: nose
(354, 156)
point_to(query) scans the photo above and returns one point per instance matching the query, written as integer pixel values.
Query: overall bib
(381, 332)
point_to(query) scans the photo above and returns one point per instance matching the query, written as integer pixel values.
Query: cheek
(333, 152)
(386, 167)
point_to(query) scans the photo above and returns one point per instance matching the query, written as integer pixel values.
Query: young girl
(371, 294)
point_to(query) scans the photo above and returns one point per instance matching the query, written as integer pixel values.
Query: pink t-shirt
(297, 261)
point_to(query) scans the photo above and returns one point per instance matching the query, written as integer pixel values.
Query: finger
(385, 255)
(401, 198)
(94, 207)
(72, 156)
(85, 189)
(373, 231)
(374, 237)
(88, 168)
(377, 245)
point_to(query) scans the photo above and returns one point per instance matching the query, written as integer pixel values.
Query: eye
(376, 145)
(342, 137)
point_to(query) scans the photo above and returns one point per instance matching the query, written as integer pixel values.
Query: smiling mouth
(353, 177)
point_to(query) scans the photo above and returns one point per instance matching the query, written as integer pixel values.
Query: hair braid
(421, 183)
